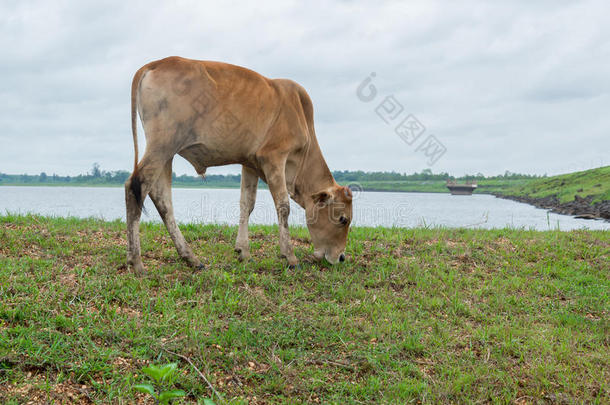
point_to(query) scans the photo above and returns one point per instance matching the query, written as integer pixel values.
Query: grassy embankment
(431, 315)
(594, 182)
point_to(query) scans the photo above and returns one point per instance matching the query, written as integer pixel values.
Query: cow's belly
(202, 157)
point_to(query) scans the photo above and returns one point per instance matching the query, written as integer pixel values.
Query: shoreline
(580, 208)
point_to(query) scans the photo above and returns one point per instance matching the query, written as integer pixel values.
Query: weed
(162, 379)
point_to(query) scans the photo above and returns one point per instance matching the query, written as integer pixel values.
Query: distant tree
(120, 176)
(95, 170)
(43, 177)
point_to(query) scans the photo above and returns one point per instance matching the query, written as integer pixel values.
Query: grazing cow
(214, 114)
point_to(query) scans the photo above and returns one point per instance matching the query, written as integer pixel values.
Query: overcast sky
(521, 85)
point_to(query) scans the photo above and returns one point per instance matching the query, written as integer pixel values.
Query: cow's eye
(343, 220)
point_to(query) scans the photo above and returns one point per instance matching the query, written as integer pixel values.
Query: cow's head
(329, 215)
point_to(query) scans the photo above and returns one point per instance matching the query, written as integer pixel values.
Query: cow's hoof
(292, 262)
(138, 268)
(193, 262)
(243, 255)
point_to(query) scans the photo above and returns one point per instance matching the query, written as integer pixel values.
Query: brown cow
(214, 114)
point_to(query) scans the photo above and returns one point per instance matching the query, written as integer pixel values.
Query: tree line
(100, 177)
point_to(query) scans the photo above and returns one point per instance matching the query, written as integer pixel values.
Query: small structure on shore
(461, 189)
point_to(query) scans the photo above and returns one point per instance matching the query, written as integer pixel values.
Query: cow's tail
(136, 184)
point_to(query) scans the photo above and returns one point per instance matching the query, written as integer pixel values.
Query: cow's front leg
(277, 185)
(249, 184)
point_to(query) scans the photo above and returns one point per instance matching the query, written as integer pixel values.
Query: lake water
(222, 206)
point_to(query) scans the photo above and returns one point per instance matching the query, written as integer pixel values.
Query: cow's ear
(321, 197)
(348, 192)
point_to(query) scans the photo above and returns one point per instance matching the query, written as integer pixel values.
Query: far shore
(584, 194)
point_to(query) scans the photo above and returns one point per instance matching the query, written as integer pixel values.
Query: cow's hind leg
(161, 194)
(249, 184)
(134, 211)
(137, 188)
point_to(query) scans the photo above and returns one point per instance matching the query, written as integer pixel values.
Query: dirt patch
(36, 390)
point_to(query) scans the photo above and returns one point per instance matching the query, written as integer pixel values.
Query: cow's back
(220, 111)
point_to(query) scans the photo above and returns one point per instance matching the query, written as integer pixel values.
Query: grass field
(414, 315)
(486, 186)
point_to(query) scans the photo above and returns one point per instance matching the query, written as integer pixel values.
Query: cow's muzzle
(336, 259)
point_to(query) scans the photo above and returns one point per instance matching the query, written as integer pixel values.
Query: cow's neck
(312, 176)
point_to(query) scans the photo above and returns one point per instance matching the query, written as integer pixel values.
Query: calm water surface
(222, 206)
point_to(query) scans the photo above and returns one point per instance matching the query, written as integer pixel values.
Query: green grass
(491, 186)
(594, 182)
(485, 186)
(418, 186)
(414, 315)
